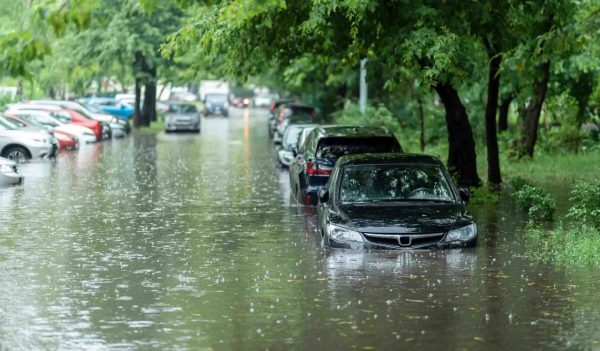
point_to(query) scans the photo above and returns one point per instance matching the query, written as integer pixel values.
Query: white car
(22, 144)
(9, 174)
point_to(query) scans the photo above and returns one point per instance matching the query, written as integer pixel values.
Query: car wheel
(16, 153)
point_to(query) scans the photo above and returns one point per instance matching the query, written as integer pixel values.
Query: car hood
(411, 218)
(102, 117)
(74, 129)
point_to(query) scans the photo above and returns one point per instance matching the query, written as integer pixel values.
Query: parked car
(110, 106)
(182, 117)
(216, 104)
(393, 201)
(290, 121)
(130, 101)
(64, 136)
(9, 174)
(285, 156)
(111, 125)
(315, 158)
(286, 111)
(49, 121)
(273, 111)
(22, 144)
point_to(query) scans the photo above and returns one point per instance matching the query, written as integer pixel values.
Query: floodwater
(191, 242)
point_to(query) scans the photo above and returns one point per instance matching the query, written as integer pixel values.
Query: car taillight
(273, 106)
(313, 168)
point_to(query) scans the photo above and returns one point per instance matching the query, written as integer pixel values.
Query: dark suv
(315, 158)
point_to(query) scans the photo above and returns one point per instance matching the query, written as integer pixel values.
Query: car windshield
(216, 98)
(182, 108)
(44, 120)
(291, 136)
(334, 148)
(402, 183)
(6, 125)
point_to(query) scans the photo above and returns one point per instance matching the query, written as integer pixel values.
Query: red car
(65, 139)
(72, 116)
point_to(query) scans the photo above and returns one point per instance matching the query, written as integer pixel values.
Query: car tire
(16, 153)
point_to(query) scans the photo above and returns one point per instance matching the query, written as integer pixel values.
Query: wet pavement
(191, 242)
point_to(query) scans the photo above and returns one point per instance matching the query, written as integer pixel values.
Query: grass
(155, 127)
(566, 244)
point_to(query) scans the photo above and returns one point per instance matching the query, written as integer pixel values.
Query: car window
(182, 108)
(406, 182)
(6, 125)
(62, 116)
(334, 148)
(291, 136)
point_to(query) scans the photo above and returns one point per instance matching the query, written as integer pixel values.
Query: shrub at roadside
(536, 202)
(586, 203)
(568, 245)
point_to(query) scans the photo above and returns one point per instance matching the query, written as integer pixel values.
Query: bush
(537, 203)
(566, 244)
(586, 203)
(518, 183)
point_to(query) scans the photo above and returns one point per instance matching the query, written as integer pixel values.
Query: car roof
(351, 131)
(388, 158)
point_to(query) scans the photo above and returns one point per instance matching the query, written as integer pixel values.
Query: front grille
(404, 240)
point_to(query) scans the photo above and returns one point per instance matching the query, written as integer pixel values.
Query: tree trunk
(503, 113)
(493, 158)
(149, 108)
(532, 114)
(137, 115)
(421, 123)
(462, 158)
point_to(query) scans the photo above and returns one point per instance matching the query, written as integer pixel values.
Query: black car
(216, 104)
(315, 158)
(393, 201)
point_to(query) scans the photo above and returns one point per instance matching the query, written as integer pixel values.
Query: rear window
(334, 148)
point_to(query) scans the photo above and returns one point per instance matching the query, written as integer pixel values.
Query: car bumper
(182, 126)
(285, 157)
(41, 151)
(368, 245)
(7, 179)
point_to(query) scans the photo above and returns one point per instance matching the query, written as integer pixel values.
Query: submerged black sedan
(393, 201)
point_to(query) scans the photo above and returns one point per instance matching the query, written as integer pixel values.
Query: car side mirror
(464, 194)
(295, 151)
(323, 195)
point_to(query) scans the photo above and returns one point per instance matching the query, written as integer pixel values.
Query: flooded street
(191, 242)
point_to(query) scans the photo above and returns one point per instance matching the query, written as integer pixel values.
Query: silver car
(25, 143)
(8, 173)
(182, 116)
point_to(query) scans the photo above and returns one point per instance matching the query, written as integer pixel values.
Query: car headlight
(338, 233)
(465, 233)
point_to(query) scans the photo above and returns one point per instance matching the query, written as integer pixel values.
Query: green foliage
(565, 245)
(373, 116)
(518, 183)
(537, 203)
(586, 203)
(17, 50)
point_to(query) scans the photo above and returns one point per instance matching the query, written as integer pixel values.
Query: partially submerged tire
(16, 153)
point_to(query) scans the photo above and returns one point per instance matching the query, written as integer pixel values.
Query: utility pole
(362, 100)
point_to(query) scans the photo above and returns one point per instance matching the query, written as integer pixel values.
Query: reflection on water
(185, 241)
